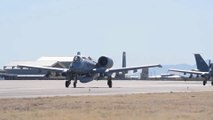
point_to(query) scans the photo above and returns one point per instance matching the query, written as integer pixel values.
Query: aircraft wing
(45, 68)
(6, 74)
(132, 68)
(188, 71)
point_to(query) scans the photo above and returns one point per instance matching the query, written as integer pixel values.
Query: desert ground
(148, 106)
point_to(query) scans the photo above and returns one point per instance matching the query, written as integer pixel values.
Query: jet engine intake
(105, 62)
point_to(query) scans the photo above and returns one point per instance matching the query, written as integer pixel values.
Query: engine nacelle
(105, 62)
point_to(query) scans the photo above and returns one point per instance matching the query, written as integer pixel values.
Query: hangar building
(11, 71)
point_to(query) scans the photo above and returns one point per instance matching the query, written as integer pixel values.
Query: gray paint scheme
(204, 70)
(86, 69)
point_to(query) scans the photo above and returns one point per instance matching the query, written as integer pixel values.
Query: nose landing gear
(68, 82)
(75, 83)
(109, 81)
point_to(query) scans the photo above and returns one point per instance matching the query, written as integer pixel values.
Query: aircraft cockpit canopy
(77, 59)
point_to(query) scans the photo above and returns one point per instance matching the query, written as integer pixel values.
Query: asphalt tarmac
(50, 88)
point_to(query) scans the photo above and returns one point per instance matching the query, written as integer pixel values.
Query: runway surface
(49, 88)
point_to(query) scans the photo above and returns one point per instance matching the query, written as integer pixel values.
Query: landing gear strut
(109, 82)
(68, 82)
(75, 83)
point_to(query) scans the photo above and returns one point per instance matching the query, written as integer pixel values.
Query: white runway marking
(48, 88)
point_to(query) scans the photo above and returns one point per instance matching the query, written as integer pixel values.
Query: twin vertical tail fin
(124, 59)
(122, 76)
(201, 64)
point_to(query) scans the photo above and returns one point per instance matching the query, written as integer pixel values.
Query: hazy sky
(150, 31)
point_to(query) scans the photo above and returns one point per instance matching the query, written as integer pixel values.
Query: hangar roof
(60, 59)
(35, 63)
(42, 61)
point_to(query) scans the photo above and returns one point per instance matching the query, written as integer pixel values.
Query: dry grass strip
(166, 106)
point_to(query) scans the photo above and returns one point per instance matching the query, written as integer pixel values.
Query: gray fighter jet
(203, 70)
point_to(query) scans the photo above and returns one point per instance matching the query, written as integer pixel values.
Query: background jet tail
(122, 74)
(124, 59)
(201, 64)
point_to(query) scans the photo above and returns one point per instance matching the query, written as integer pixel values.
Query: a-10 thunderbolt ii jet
(203, 70)
(85, 69)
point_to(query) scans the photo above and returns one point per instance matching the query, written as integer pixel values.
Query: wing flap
(132, 68)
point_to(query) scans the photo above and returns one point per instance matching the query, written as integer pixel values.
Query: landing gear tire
(74, 84)
(204, 82)
(67, 83)
(212, 83)
(109, 83)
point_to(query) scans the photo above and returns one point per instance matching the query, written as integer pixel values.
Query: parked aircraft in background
(204, 70)
(166, 77)
(85, 69)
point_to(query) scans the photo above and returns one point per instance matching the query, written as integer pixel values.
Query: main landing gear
(204, 82)
(67, 83)
(109, 81)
